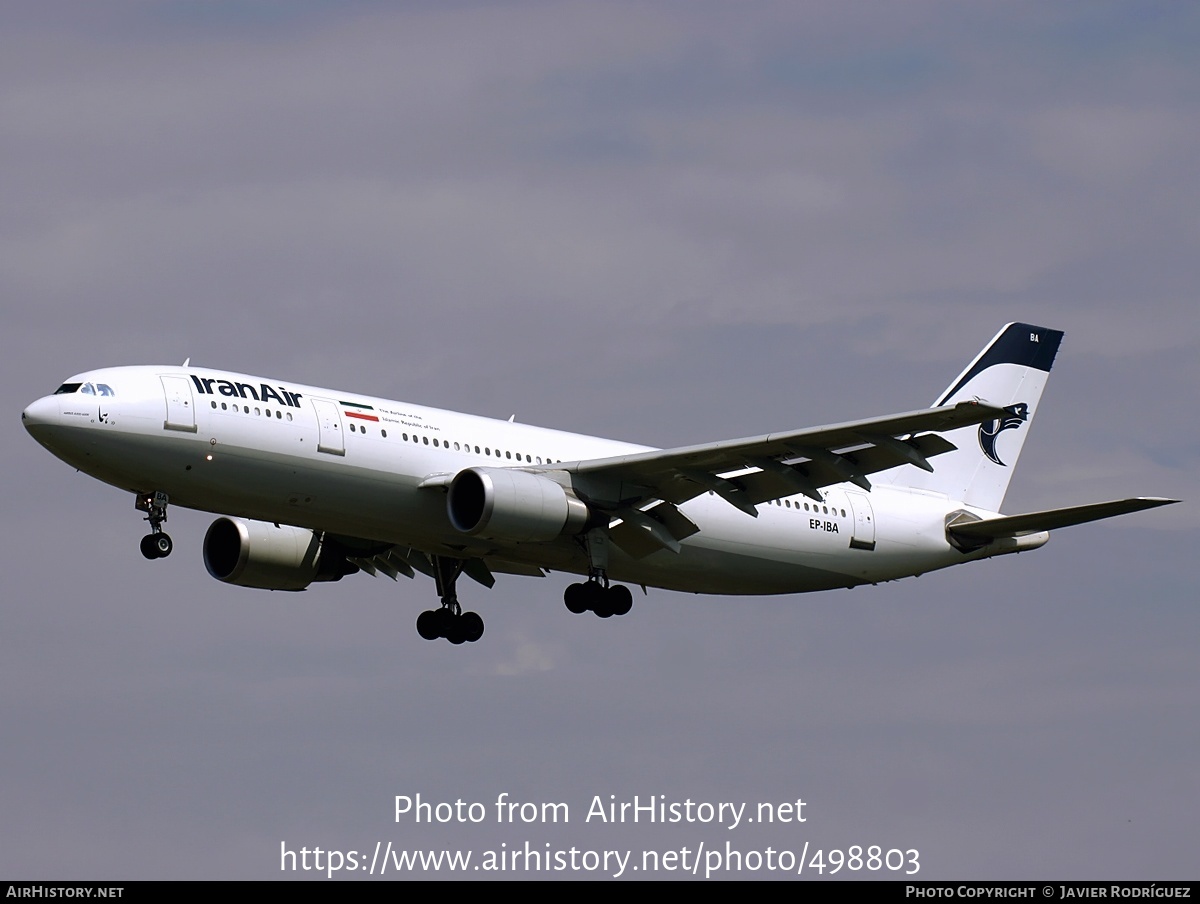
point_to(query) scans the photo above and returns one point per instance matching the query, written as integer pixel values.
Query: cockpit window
(85, 389)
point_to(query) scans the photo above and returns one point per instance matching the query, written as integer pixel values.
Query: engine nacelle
(505, 504)
(269, 556)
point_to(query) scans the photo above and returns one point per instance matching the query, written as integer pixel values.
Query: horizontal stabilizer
(1035, 522)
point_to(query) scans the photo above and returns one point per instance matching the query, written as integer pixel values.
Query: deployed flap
(635, 541)
(643, 532)
(478, 571)
(390, 562)
(1035, 522)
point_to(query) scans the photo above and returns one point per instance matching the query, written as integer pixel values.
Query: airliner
(315, 484)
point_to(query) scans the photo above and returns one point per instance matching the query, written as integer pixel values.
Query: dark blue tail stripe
(1014, 346)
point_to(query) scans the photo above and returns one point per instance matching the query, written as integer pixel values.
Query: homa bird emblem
(989, 430)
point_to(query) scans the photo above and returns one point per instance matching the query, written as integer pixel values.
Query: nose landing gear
(156, 544)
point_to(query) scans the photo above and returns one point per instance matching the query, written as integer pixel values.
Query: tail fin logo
(990, 430)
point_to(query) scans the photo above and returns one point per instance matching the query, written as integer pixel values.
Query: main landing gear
(156, 544)
(449, 621)
(597, 595)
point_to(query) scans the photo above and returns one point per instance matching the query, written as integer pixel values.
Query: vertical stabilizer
(1010, 373)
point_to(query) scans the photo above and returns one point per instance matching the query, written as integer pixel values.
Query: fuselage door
(862, 536)
(181, 413)
(329, 424)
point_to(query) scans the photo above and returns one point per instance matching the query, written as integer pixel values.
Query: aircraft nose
(42, 413)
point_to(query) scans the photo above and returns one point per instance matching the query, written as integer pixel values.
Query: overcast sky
(665, 223)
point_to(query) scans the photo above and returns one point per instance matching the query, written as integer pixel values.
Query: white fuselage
(353, 466)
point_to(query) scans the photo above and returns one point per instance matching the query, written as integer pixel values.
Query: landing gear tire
(163, 545)
(620, 599)
(601, 602)
(445, 622)
(472, 626)
(156, 546)
(428, 626)
(576, 598)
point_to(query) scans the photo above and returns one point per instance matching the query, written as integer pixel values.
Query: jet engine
(270, 556)
(504, 504)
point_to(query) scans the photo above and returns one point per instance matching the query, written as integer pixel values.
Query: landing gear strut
(597, 595)
(156, 544)
(449, 621)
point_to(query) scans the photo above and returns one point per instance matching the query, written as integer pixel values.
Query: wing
(644, 490)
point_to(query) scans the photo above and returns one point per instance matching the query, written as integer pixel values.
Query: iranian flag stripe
(358, 412)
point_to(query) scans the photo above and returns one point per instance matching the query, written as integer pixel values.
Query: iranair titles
(264, 393)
